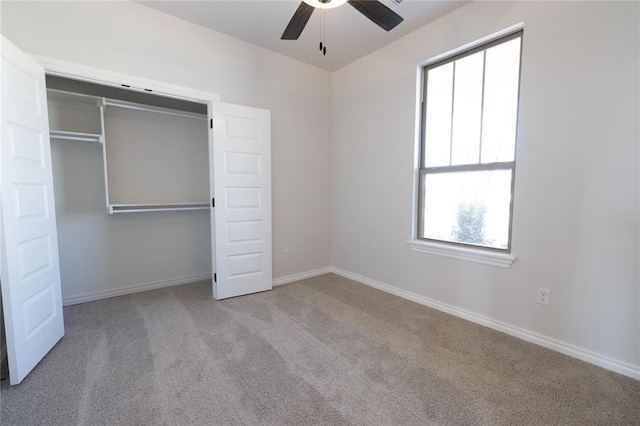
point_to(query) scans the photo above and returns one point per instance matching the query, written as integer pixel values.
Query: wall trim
(529, 336)
(301, 276)
(477, 255)
(66, 69)
(136, 288)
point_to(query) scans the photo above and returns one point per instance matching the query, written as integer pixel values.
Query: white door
(242, 192)
(30, 271)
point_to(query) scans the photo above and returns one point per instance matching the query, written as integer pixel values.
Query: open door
(30, 271)
(242, 192)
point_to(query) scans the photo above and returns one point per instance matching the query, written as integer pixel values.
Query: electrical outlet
(285, 254)
(544, 295)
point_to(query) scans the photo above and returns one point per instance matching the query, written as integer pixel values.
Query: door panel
(242, 185)
(30, 272)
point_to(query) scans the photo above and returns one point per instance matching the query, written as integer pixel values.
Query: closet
(146, 158)
(155, 158)
(124, 184)
(131, 183)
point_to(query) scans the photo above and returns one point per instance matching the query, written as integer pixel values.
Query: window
(468, 144)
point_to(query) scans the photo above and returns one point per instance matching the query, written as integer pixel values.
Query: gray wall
(576, 212)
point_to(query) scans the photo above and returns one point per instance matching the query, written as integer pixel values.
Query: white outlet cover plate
(544, 295)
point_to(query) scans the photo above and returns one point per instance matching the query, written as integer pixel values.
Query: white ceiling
(349, 34)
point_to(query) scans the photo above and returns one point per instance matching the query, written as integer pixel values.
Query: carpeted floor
(325, 350)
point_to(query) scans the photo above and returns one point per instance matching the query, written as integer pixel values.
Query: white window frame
(502, 258)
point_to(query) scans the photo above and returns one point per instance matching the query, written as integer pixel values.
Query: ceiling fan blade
(298, 22)
(377, 12)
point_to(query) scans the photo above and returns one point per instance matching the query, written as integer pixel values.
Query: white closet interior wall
(156, 158)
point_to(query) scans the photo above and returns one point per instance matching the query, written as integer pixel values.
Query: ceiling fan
(377, 12)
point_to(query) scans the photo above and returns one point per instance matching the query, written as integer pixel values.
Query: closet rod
(138, 208)
(149, 108)
(158, 209)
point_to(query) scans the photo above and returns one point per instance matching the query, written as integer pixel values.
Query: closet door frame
(80, 72)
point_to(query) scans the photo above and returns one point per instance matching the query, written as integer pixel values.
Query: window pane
(467, 104)
(500, 102)
(467, 207)
(438, 116)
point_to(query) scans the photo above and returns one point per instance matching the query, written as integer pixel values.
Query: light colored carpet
(325, 350)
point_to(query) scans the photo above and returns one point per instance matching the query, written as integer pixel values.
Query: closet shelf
(139, 208)
(155, 109)
(74, 100)
(75, 136)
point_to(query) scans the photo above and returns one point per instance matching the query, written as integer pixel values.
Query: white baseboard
(136, 288)
(301, 276)
(529, 336)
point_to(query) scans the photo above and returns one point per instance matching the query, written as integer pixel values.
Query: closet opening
(132, 187)
(155, 149)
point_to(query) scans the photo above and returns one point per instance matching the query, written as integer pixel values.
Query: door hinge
(213, 202)
(211, 123)
(215, 278)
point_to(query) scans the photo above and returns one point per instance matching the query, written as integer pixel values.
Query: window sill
(485, 257)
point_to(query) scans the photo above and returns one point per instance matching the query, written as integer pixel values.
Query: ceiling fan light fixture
(325, 4)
